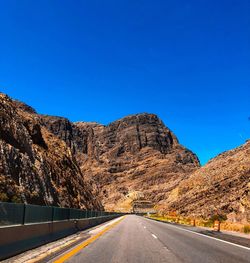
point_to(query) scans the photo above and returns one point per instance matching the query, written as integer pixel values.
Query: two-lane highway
(139, 240)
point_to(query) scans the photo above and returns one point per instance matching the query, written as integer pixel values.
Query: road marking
(154, 236)
(144, 227)
(203, 235)
(85, 243)
(97, 229)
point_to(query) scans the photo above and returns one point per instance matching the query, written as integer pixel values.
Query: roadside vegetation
(204, 223)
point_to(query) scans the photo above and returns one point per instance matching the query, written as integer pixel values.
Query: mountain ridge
(137, 153)
(107, 154)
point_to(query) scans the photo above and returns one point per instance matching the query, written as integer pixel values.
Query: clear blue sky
(187, 61)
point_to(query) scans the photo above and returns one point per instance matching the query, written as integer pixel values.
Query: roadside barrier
(23, 227)
(21, 214)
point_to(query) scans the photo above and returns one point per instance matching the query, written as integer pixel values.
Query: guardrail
(21, 214)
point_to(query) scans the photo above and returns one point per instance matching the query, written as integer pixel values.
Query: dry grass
(203, 223)
(236, 227)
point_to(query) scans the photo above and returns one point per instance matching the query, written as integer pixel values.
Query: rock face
(35, 165)
(221, 187)
(139, 153)
(136, 153)
(50, 160)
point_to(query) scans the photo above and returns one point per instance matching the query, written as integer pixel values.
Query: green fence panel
(84, 214)
(75, 214)
(61, 213)
(11, 214)
(87, 214)
(38, 214)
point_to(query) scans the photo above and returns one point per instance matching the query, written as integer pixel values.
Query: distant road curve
(139, 240)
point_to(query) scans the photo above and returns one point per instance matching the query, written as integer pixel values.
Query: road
(139, 240)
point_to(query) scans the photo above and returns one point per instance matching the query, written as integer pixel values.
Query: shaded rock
(35, 165)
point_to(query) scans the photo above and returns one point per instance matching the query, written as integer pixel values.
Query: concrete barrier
(17, 239)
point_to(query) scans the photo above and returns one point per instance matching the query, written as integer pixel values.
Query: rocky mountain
(221, 187)
(35, 165)
(136, 153)
(50, 160)
(139, 153)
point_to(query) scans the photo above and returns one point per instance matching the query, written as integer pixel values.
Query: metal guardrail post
(52, 213)
(68, 214)
(24, 213)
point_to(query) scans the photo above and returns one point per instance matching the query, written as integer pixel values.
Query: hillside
(221, 187)
(135, 153)
(50, 160)
(36, 166)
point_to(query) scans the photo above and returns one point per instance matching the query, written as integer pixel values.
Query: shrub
(3, 197)
(246, 229)
(218, 217)
(16, 199)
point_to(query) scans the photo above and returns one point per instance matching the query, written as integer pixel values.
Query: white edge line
(203, 235)
(154, 236)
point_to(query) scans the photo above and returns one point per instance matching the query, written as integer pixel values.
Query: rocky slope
(136, 153)
(35, 165)
(221, 187)
(50, 160)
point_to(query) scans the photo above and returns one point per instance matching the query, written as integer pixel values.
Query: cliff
(35, 165)
(135, 153)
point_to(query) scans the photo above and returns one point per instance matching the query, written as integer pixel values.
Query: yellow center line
(86, 243)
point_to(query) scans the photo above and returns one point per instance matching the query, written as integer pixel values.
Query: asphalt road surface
(140, 240)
